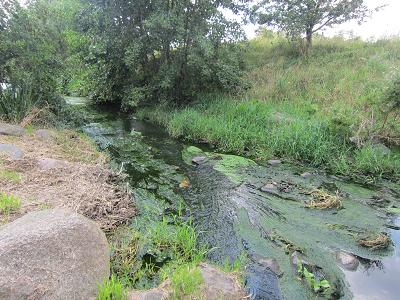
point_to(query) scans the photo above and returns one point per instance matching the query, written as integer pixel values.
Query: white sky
(384, 23)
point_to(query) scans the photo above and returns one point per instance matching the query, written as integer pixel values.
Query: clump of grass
(11, 176)
(379, 241)
(237, 266)
(324, 200)
(112, 289)
(186, 282)
(169, 244)
(9, 203)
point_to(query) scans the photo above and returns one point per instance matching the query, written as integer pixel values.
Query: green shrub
(187, 281)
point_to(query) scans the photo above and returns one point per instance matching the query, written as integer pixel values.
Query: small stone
(199, 160)
(347, 260)
(14, 130)
(50, 164)
(12, 151)
(274, 162)
(44, 134)
(272, 264)
(306, 175)
(381, 148)
(296, 257)
(269, 187)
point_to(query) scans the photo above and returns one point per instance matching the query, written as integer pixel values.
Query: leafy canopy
(161, 50)
(305, 17)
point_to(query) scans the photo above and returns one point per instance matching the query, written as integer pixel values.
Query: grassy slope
(303, 109)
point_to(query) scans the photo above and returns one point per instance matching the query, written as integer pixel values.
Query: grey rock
(197, 160)
(347, 260)
(11, 150)
(381, 148)
(272, 264)
(8, 129)
(296, 257)
(269, 187)
(44, 134)
(218, 285)
(274, 162)
(50, 164)
(306, 174)
(52, 254)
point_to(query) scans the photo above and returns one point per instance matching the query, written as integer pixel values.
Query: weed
(187, 281)
(379, 241)
(237, 266)
(324, 200)
(9, 203)
(112, 289)
(143, 260)
(11, 176)
(315, 284)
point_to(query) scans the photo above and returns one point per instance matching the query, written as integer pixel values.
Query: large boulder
(52, 254)
(8, 129)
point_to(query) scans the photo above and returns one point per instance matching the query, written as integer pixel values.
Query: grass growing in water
(9, 203)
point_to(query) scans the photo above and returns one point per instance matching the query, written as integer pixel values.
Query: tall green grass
(326, 109)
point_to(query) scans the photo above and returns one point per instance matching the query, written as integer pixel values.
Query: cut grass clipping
(112, 289)
(9, 203)
(324, 200)
(380, 241)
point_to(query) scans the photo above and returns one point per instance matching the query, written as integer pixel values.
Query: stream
(241, 207)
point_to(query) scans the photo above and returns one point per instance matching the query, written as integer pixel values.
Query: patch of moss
(231, 165)
(190, 152)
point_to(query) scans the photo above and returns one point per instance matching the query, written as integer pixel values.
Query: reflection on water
(378, 281)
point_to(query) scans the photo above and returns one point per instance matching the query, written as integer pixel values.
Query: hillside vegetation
(330, 109)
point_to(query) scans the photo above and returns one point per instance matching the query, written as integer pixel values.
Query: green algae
(229, 165)
(190, 152)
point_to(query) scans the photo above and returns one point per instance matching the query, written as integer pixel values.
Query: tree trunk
(309, 34)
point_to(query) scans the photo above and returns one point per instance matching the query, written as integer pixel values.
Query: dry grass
(380, 241)
(81, 179)
(323, 200)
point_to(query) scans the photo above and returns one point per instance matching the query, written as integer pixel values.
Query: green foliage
(315, 284)
(163, 51)
(186, 281)
(9, 203)
(168, 245)
(112, 289)
(305, 17)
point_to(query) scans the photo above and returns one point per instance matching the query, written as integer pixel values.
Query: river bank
(265, 213)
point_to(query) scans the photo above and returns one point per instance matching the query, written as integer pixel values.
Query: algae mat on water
(273, 220)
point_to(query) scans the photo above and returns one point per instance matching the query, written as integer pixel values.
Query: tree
(163, 50)
(303, 18)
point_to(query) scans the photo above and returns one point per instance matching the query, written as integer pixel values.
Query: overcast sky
(383, 23)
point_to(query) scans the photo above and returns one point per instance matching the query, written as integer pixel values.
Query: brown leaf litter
(80, 179)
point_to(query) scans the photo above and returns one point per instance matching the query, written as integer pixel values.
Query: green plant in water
(315, 284)
(9, 203)
(112, 289)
